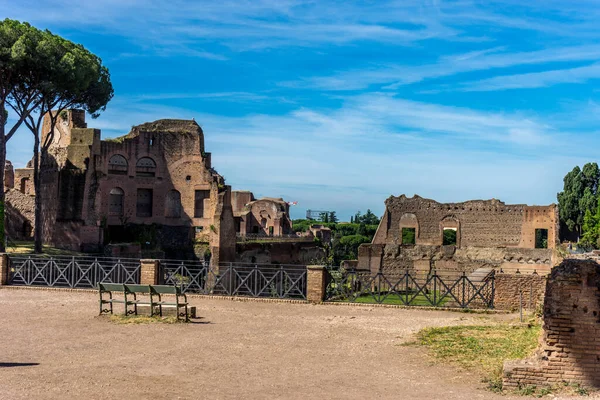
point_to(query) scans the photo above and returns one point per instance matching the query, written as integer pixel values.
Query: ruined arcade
(420, 234)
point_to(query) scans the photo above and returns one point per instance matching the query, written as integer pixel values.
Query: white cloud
(534, 79)
(394, 76)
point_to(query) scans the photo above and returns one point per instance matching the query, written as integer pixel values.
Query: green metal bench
(133, 290)
(109, 288)
(159, 290)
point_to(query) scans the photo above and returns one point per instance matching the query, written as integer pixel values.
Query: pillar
(3, 269)
(316, 283)
(149, 272)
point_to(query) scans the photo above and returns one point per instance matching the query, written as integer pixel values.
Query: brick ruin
(154, 186)
(158, 179)
(485, 234)
(569, 349)
(266, 217)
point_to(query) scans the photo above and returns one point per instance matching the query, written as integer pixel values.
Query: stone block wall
(479, 223)
(508, 287)
(570, 346)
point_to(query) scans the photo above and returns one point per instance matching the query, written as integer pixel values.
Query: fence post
(3, 269)
(149, 271)
(316, 283)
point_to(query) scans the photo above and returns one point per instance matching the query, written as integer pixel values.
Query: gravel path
(238, 350)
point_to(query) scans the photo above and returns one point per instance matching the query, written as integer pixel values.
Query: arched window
(115, 202)
(173, 204)
(117, 165)
(145, 167)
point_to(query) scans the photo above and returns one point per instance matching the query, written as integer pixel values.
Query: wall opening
(115, 201)
(145, 167)
(271, 229)
(144, 203)
(541, 238)
(117, 165)
(449, 238)
(24, 184)
(409, 235)
(199, 196)
(173, 204)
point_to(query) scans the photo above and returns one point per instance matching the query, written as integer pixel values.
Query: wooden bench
(159, 290)
(130, 298)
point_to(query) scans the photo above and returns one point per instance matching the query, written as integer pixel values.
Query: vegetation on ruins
(578, 199)
(59, 75)
(345, 237)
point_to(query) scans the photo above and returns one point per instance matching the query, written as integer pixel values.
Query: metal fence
(71, 272)
(236, 279)
(411, 288)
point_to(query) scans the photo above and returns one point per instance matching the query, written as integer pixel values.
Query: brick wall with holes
(507, 295)
(569, 349)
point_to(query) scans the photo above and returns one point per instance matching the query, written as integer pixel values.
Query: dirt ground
(236, 350)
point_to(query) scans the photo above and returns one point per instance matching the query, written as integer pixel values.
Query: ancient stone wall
(569, 348)
(266, 216)
(479, 223)
(393, 259)
(20, 219)
(23, 181)
(510, 289)
(157, 175)
(9, 176)
(302, 253)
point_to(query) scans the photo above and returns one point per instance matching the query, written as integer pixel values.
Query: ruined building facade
(265, 217)
(158, 177)
(418, 233)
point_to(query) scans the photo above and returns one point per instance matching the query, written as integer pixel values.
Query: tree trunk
(37, 235)
(2, 188)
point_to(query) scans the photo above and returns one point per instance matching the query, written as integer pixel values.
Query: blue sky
(338, 105)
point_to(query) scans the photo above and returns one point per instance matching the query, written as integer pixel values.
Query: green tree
(580, 191)
(19, 65)
(348, 246)
(591, 227)
(332, 217)
(324, 217)
(369, 218)
(72, 77)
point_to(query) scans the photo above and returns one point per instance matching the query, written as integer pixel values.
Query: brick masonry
(149, 270)
(3, 269)
(315, 283)
(489, 234)
(509, 287)
(570, 346)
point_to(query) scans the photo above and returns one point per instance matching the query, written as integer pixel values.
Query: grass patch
(142, 319)
(484, 348)
(419, 300)
(27, 248)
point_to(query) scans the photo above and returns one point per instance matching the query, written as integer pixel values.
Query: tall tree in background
(20, 65)
(579, 195)
(332, 217)
(73, 78)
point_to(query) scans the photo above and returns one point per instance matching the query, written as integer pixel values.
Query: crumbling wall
(20, 218)
(302, 253)
(508, 289)
(394, 258)
(479, 223)
(569, 348)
